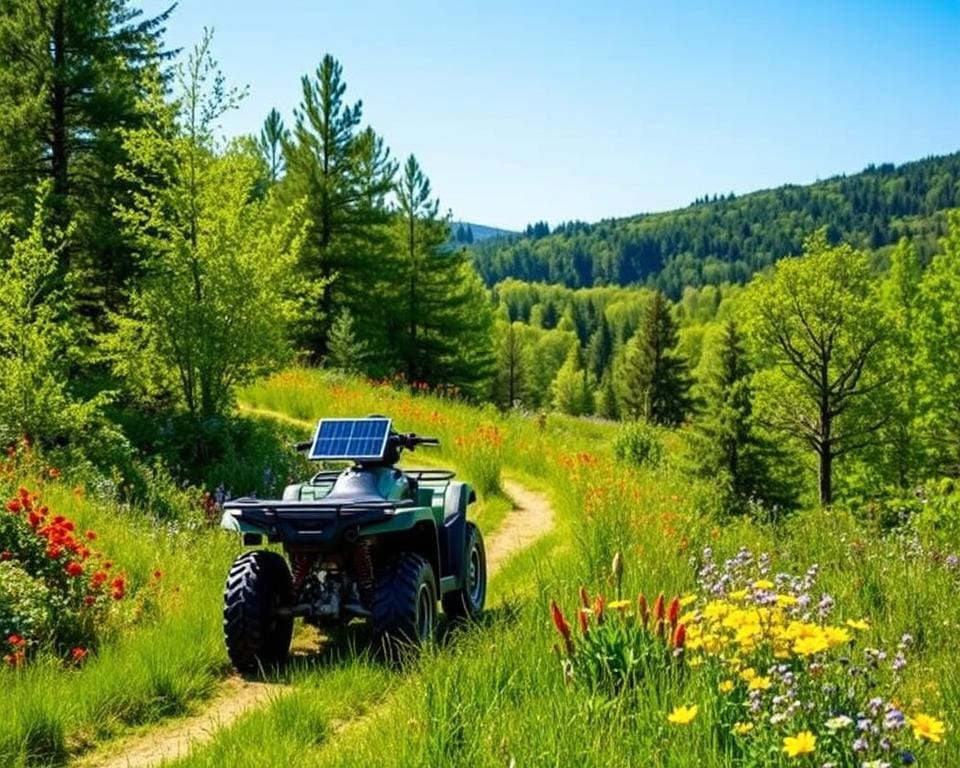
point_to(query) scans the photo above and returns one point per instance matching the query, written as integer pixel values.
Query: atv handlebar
(409, 441)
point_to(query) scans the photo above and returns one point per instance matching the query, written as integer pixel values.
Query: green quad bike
(370, 542)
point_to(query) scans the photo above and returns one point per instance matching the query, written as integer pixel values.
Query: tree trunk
(826, 474)
(59, 157)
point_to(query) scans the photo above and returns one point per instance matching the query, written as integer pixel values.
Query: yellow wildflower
(807, 646)
(927, 727)
(860, 624)
(741, 729)
(802, 744)
(740, 594)
(619, 605)
(785, 601)
(682, 715)
(687, 600)
(763, 584)
(759, 684)
(748, 674)
(836, 636)
(726, 686)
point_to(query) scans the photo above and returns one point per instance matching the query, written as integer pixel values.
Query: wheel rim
(475, 579)
(425, 609)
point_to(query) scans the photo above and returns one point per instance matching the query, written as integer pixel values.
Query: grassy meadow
(503, 692)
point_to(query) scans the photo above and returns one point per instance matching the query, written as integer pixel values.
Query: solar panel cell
(357, 439)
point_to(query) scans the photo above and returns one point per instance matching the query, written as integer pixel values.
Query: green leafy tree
(817, 324)
(72, 78)
(935, 335)
(609, 407)
(344, 174)
(210, 314)
(36, 338)
(656, 378)
(572, 389)
(443, 332)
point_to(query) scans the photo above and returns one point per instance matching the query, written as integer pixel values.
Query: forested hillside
(728, 238)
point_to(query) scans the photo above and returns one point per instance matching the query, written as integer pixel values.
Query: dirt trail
(531, 518)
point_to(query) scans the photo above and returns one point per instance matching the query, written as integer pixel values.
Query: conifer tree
(270, 144)
(442, 320)
(511, 375)
(73, 74)
(656, 379)
(345, 352)
(344, 174)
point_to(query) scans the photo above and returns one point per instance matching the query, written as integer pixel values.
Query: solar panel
(357, 439)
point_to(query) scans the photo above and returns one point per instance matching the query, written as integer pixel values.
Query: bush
(640, 444)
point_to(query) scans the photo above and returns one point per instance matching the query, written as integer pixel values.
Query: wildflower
(643, 610)
(616, 569)
(682, 715)
(726, 686)
(679, 638)
(838, 723)
(78, 654)
(859, 624)
(16, 641)
(741, 729)
(927, 727)
(658, 607)
(802, 744)
(583, 620)
(74, 568)
(561, 624)
(91, 536)
(763, 584)
(157, 575)
(759, 684)
(14, 506)
(598, 606)
(584, 596)
(53, 473)
(619, 605)
(6, 555)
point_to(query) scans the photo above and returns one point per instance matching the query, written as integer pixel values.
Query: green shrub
(640, 444)
(25, 605)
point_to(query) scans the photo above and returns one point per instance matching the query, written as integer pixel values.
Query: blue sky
(520, 111)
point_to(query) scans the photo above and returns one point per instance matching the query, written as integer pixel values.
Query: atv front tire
(405, 604)
(467, 602)
(258, 585)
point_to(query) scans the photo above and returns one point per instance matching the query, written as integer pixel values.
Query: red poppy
(89, 600)
(14, 506)
(16, 641)
(91, 536)
(78, 654)
(74, 568)
(54, 551)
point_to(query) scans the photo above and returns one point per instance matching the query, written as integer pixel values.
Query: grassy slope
(495, 694)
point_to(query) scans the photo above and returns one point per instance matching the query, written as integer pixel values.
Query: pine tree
(344, 174)
(270, 144)
(609, 407)
(600, 348)
(657, 382)
(725, 442)
(345, 352)
(73, 76)
(572, 389)
(443, 323)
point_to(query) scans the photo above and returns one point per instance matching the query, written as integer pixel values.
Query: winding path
(531, 518)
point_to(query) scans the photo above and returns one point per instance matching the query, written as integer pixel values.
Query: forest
(726, 239)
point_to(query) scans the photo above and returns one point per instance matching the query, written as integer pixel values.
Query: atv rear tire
(258, 585)
(467, 602)
(405, 604)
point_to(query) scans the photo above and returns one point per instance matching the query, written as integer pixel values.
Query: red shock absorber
(300, 566)
(363, 567)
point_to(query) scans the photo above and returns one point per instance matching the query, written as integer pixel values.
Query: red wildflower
(54, 551)
(598, 606)
(6, 555)
(14, 506)
(559, 621)
(98, 578)
(91, 536)
(15, 659)
(658, 607)
(584, 596)
(680, 636)
(89, 600)
(158, 574)
(53, 473)
(643, 610)
(582, 617)
(74, 568)
(674, 613)
(78, 654)
(15, 641)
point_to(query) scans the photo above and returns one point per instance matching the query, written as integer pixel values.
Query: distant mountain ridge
(728, 238)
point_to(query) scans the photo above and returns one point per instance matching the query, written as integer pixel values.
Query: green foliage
(640, 444)
(73, 75)
(441, 325)
(511, 376)
(572, 388)
(344, 174)
(25, 605)
(37, 339)
(211, 311)
(655, 377)
(345, 352)
(816, 323)
(935, 336)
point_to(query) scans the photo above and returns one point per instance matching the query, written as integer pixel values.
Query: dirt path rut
(531, 518)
